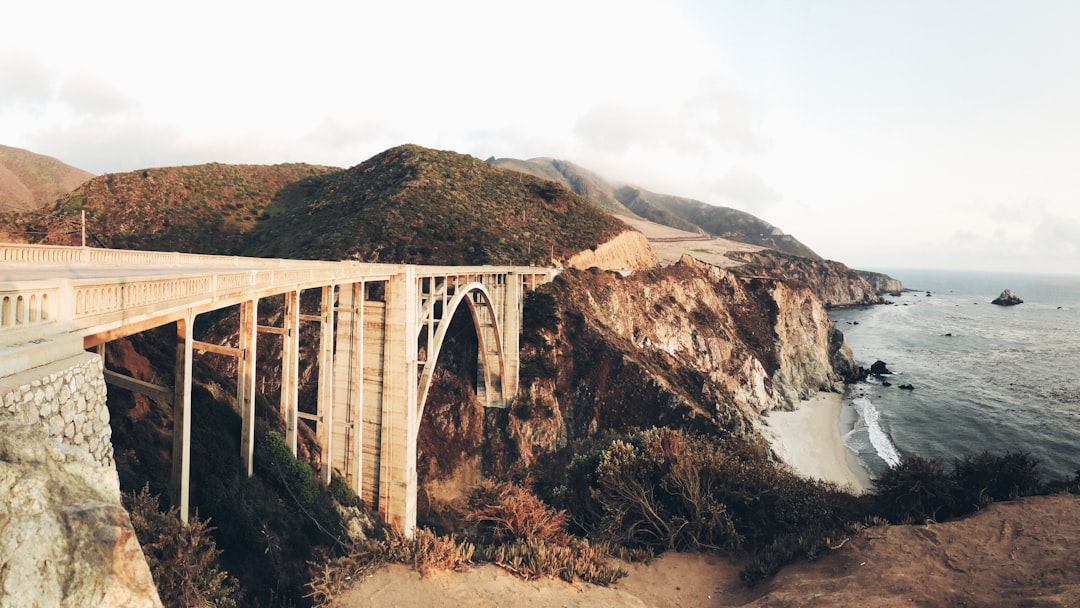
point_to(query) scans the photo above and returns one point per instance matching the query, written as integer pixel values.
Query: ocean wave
(870, 418)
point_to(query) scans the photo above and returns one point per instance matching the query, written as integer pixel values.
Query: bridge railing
(34, 309)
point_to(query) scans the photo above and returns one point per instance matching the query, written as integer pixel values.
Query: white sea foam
(879, 439)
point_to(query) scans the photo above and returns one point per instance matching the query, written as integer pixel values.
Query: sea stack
(1007, 298)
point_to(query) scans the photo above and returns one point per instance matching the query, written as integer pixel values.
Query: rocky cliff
(630, 249)
(882, 283)
(834, 283)
(690, 346)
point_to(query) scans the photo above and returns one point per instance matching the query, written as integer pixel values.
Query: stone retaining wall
(67, 400)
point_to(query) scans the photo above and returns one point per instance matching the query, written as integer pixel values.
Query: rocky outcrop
(66, 541)
(1007, 298)
(628, 250)
(882, 283)
(834, 283)
(689, 346)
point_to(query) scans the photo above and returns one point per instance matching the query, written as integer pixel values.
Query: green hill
(197, 209)
(30, 181)
(576, 178)
(416, 205)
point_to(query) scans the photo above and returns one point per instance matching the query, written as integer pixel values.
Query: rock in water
(1007, 298)
(878, 368)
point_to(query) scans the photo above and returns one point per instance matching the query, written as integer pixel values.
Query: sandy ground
(670, 244)
(809, 440)
(1022, 553)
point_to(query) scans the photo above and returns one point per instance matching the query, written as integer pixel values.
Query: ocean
(985, 377)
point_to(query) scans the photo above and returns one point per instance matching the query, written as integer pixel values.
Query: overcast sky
(881, 134)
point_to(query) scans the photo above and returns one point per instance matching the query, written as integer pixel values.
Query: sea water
(985, 377)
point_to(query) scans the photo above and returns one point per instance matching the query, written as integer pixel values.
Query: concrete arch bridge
(381, 328)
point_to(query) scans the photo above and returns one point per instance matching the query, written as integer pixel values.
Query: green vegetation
(183, 559)
(661, 489)
(919, 489)
(197, 209)
(416, 205)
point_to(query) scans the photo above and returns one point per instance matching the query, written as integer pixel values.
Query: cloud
(711, 120)
(746, 190)
(24, 82)
(91, 97)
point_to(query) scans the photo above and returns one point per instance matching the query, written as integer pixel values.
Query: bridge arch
(485, 319)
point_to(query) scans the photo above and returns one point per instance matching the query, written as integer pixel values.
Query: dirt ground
(1023, 553)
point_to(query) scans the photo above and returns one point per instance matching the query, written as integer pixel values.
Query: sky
(919, 134)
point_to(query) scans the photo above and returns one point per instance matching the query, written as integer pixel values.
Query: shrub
(295, 476)
(342, 493)
(915, 490)
(426, 551)
(182, 558)
(576, 560)
(502, 512)
(668, 489)
(986, 477)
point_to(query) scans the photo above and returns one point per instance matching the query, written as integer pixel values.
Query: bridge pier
(290, 367)
(181, 432)
(398, 477)
(245, 382)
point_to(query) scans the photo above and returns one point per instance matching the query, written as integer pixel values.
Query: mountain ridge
(30, 181)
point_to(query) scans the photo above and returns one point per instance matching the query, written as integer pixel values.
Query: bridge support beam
(245, 383)
(348, 384)
(290, 367)
(181, 448)
(400, 418)
(511, 335)
(325, 424)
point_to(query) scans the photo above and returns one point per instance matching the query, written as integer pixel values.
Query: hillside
(196, 209)
(417, 205)
(677, 212)
(718, 221)
(30, 181)
(1019, 553)
(576, 178)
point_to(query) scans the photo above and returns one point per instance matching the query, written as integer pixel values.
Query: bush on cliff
(918, 488)
(662, 489)
(183, 559)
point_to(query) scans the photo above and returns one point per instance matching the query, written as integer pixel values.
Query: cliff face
(690, 346)
(832, 282)
(882, 283)
(630, 249)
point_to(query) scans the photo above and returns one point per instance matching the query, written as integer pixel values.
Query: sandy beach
(809, 440)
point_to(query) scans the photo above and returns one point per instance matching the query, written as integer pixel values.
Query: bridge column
(325, 407)
(290, 367)
(511, 334)
(181, 448)
(398, 478)
(348, 384)
(245, 382)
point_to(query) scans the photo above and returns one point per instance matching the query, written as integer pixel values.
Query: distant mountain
(30, 181)
(677, 212)
(723, 222)
(416, 205)
(576, 178)
(198, 208)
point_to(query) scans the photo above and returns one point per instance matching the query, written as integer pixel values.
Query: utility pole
(84, 227)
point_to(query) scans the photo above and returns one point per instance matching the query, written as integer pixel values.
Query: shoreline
(810, 441)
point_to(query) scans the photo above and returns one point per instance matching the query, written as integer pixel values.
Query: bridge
(380, 328)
